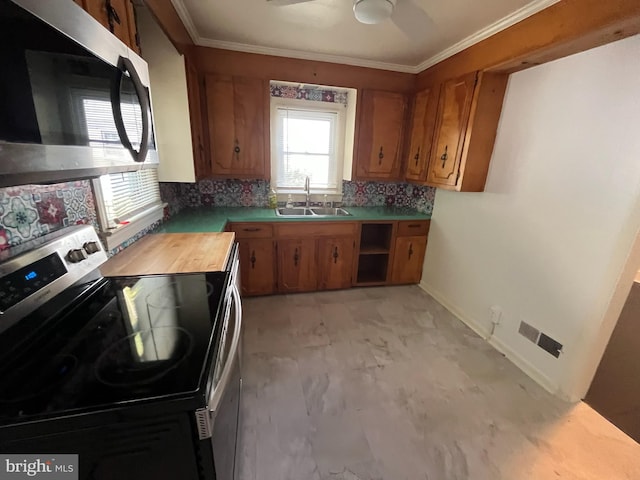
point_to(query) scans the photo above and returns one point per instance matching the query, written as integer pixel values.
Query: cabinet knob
(253, 259)
(417, 157)
(296, 257)
(410, 250)
(236, 149)
(380, 156)
(335, 255)
(444, 156)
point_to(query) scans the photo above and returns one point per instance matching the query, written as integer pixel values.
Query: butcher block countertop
(167, 253)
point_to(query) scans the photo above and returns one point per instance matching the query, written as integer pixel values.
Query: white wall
(548, 239)
(169, 101)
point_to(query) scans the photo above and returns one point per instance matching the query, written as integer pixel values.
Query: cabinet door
(257, 266)
(408, 259)
(236, 113)
(422, 122)
(454, 107)
(134, 40)
(116, 15)
(194, 92)
(98, 10)
(335, 262)
(249, 107)
(379, 147)
(297, 265)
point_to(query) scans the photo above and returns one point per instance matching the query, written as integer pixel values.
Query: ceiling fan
(408, 16)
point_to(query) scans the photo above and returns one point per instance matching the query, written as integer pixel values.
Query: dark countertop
(214, 219)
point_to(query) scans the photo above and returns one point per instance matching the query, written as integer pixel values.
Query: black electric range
(120, 370)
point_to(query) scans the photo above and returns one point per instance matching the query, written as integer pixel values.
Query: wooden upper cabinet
(237, 115)
(422, 123)
(198, 138)
(469, 109)
(454, 107)
(381, 118)
(116, 15)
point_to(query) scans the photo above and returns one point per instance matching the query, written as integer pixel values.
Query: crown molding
(502, 24)
(185, 16)
(318, 57)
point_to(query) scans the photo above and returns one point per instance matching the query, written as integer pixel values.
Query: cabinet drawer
(313, 229)
(417, 227)
(252, 230)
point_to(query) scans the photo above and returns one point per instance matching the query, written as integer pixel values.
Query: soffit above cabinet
(326, 30)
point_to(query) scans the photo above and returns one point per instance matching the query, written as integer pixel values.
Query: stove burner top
(144, 357)
(50, 376)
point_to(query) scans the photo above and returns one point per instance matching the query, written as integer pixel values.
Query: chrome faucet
(306, 189)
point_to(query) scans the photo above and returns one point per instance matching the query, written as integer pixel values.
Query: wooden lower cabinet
(409, 248)
(257, 257)
(408, 259)
(292, 257)
(257, 262)
(335, 262)
(297, 265)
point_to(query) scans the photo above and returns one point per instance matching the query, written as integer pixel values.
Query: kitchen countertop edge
(214, 219)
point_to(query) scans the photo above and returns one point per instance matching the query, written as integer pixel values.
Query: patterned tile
(4, 239)
(29, 211)
(20, 218)
(318, 94)
(255, 193)
(51, 209)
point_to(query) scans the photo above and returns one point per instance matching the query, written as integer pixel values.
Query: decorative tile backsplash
(30, 211)
(377, 194)
(254, 193)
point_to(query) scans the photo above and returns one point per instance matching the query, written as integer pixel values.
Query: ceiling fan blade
(282, 3)
(412, 20)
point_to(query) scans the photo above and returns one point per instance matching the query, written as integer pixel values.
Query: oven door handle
(225, 378)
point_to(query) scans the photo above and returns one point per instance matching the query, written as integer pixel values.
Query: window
(307, 145)
(127, 203)
(312, 135)
(125, 195)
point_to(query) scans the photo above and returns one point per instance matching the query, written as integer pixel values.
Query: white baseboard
(523, 364)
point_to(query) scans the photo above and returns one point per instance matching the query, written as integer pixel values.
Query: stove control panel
(33, 273)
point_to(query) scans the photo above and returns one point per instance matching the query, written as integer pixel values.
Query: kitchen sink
(293, 212)
(329, 212)
(311, 212)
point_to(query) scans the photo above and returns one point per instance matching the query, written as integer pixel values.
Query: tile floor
(384, 383)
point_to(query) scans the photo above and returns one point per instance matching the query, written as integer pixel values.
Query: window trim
(308, 105)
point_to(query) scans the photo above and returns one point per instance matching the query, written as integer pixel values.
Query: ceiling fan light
(372, 11)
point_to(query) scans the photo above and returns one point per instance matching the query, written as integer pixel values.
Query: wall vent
(545, 342)
(550, 345)
(529, 332)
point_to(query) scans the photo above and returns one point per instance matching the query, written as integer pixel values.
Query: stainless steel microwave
(74, 100)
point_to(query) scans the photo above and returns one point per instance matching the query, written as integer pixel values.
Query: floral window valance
(314, 94)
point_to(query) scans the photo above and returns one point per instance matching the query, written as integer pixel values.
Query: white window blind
(306, 145)
(127, 194)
